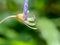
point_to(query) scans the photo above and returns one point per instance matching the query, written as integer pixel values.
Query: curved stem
(7, 18)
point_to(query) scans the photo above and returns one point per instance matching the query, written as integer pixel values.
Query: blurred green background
(13, 32)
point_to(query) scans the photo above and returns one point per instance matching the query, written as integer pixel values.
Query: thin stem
(7, 18)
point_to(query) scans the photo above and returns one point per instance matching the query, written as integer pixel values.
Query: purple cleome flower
(26, 8)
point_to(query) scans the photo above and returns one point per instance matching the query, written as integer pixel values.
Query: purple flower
(26, 8)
